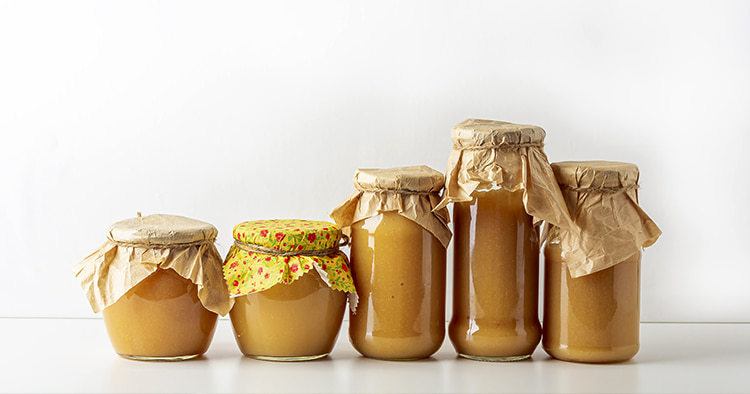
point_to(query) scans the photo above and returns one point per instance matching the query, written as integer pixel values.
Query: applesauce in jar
(594, 318)
(158, 282)
(496, 278)
(296, 322)
(398, 251)
(592, 294)
(160, 318)
(501, 185)
(399, 271)
(290, 282)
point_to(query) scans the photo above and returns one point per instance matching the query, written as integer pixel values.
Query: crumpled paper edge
(419, 208)
(112, 270)
(523, 168)
(594, 248)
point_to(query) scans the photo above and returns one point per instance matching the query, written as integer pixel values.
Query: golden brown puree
(593, 318)
(294, 322)
(399, 273)
(495, 293)
(160, 318)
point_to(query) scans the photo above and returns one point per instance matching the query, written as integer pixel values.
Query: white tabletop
(74, 355)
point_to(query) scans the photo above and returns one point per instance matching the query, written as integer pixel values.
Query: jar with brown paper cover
(592, 277)
(398, 251)
(502, 186)
(158, 281)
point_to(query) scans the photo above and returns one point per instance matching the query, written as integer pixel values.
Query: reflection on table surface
(75, 356)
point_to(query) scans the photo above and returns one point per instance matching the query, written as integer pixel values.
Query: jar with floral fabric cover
(290, 282)
(158, 281)
(502, 187)
(398, 259)
(592, 277)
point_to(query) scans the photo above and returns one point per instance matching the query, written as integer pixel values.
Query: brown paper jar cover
(491, 155)
(137, 247)
(602, 197)
(412, 192)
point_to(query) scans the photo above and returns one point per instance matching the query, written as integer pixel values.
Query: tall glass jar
(592, 277)
(496, 278)
(290, 283)
(398, 252)
(159, 284)
(501, 184)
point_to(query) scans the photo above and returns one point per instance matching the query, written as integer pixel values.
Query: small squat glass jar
(398, 261)
(592, 295)
(289, 280)
(160, 318)
(501, 184)
(144, 279)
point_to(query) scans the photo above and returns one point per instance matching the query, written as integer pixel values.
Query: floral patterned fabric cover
(250, 272)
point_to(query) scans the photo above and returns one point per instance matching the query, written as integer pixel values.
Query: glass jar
(592, 295)
(159, 283)
(289, 280)
(161, 318)
(496, 278)
(593, 318)
(398, 252)
(267, 324)
(399, 271)
(501, 185)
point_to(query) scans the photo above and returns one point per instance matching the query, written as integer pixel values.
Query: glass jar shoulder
(498, 198)
(387, 224)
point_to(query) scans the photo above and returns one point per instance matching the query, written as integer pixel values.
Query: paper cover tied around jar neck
(412, 192)
(602, 197)
(491, 154)
(137, 247)
(271, 252)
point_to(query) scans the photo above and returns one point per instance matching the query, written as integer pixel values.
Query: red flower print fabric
(248, 272)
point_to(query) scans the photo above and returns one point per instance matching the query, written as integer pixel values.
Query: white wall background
(228, 111)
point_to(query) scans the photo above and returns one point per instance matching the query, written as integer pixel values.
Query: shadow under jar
(494, 167)
(398, 262)
(291, 282)
(147, 273)
(592, 296)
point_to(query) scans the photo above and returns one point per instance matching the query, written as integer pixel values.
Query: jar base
(495, 359)
(594, 356)
(288, 358)
(397, 359)
(159, 358)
